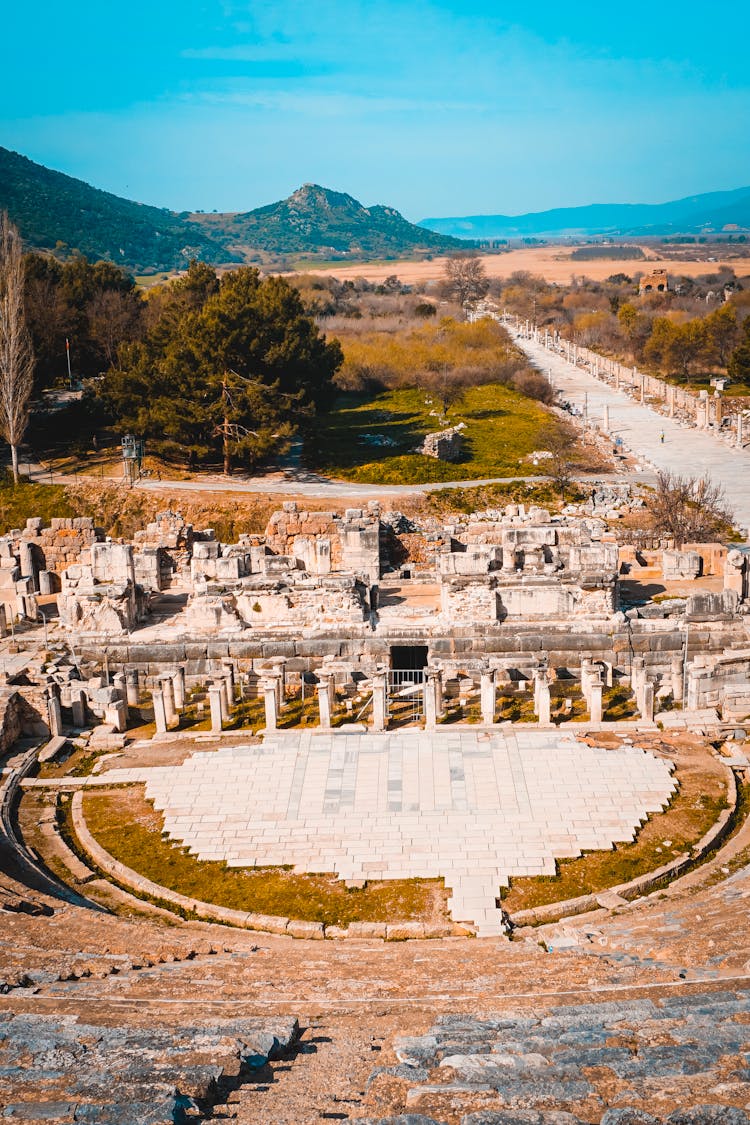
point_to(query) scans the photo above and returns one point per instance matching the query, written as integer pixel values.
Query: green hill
(65, 215)
(55, 211)
(316, 220)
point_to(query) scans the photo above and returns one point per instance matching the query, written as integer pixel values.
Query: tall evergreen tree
(227, 369)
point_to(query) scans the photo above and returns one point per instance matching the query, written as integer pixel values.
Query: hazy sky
(434, 107)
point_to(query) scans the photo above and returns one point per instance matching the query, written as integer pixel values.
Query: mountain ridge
(61, 214)
(292, 225)
(689, 215)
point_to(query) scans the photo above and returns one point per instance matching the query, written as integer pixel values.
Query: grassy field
(21, 501)
(129, 828)
(371, 438)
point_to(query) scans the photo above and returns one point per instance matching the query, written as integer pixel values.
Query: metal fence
(405, 694)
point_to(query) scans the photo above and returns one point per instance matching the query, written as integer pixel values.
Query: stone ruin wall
(513, 588)
(458, 649)
(57, 546)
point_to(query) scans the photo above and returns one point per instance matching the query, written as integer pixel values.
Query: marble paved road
(686, 451)
(473, 807)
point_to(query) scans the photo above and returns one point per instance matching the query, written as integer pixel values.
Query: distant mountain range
(696, 214)
(62, 214)
(59, 213)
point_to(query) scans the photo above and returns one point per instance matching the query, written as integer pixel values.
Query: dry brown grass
(130, 829)
(553, 263)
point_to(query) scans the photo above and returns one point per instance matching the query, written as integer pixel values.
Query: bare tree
(465, 278)
(688, 509)
(16, 356)
(113, 318)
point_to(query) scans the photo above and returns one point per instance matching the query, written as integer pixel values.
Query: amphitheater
(500, 763)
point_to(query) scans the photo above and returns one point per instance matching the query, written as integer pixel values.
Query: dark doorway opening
(408, 658)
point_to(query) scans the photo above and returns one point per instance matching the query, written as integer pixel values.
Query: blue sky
(434, 107)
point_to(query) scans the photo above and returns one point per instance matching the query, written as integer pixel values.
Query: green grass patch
(443, 501)
(128, 827)
(697, 804)
(19, 502)
(371, 438)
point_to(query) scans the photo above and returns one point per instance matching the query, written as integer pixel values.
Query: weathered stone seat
(591, 1061)
(57, 1069)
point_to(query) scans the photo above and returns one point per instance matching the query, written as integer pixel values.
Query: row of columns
(169, 694)
(708, 409)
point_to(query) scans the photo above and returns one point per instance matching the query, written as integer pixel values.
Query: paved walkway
(685, 450)
(473, 807)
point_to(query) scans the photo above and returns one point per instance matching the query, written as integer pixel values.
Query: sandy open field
(551, 262)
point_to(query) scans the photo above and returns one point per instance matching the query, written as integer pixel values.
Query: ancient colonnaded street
(473, 807)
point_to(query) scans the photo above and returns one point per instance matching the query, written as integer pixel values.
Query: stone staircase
(681, 1058)
(59, 1069)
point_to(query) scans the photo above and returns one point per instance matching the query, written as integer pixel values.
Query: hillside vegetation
(315, 219)
(59, 213)
(68, 217)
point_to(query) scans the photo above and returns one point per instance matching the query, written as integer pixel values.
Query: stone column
(605, 419)
(178, 687)
(279, 670)
(637, 674)
(617, 378)
(595, 698)
(26, 559)
(116, 714)
(380, 701)
(325, 709)
(227, 669)
(3, 621)
(487, 697)
(676, 678)
(46, 582)
(718, 408)
(670, 400)
(168, 695)
(646, 704)
(509, 560)
(542, 700)
(643, 388)
(428, 694)
(54, 711)
(217, 700)
(160, 714)
(268, 687)
(221, 683)
(739, 430)
(120, 684)
(587, 674)
(78, 705)
(438, 681)
(131, 687)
